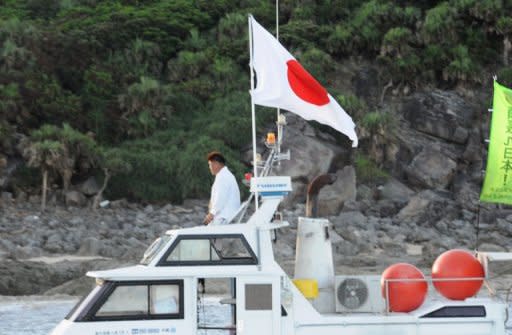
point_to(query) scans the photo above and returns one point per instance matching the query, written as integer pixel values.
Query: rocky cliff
(426, 201)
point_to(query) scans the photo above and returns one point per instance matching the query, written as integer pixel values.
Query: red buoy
(403, 296)
(457, 263)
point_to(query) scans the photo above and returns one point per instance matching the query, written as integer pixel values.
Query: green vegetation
(156, 84)
(368, 172)
(62, 151)
(375, 122)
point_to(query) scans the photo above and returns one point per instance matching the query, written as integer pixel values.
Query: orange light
(271, 138)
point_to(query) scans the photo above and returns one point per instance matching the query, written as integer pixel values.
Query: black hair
(217, 157)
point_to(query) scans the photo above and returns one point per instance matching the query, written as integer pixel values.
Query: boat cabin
(165, 293)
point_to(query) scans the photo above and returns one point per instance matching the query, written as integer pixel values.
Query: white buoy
(313, 260)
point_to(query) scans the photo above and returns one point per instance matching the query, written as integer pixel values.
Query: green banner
(498, 174)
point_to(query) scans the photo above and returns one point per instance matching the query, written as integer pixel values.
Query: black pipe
(313, 189)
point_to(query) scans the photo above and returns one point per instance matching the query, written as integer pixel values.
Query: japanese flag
(283, 83)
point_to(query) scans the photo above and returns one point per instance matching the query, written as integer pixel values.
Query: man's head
(216, 162)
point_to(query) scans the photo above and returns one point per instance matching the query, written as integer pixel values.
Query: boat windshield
(154, 249)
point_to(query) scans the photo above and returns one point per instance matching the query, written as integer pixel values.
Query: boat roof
(161, 272)
(143, 272)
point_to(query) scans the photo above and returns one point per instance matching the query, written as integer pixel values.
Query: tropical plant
(399, 56)
(462, 67)
(352, 105)
(340, 40)
(9, 100)
(64, 150)
(111, 162)
(144, 105)
(376, 122)
(441, 25)
(46, 155)
(367, 171)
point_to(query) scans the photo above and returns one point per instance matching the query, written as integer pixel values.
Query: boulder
(427, 207)
(6, 197)
(395, 191)
(89, 187)
(349, 219)
(441, 114)
(473, 151)
(91, 246)
(54, 242)
(466, 193)
(431, 169)
(118, 204)
(74, 287)
(310, 157)
(490, 247)
(332, 197)
(25, 278)
(75, 199)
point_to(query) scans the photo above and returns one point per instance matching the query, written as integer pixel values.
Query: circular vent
(352, 293)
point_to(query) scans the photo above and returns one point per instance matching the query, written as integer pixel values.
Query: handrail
(425, 279)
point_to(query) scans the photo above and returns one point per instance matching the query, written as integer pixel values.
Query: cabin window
(154, 249)
(193, 250)
(457, 312)
(138, 301)
(164, 299)
(125, 300)
(209, 250)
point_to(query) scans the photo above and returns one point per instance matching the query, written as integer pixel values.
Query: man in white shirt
(225, 195)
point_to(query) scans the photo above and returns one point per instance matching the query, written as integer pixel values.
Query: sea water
(36, 315)
(32, 315)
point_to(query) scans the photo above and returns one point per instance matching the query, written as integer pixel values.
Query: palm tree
(145, 103)
(144, 56)
(111, 162)
(62, 150)
(46, 155)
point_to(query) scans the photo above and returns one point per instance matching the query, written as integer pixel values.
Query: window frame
(106, 292)
(251, 260)
(457, 311)
(156, 248)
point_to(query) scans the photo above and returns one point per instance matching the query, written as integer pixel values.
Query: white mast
(253, 114)
(278, 146)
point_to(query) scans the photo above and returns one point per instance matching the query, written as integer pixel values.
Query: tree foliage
(159, 83)
(63, 150)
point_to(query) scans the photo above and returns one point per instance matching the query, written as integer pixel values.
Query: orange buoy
(403, 296)
(453, 264)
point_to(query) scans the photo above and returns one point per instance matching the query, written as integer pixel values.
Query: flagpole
(253, 114)
(278, 147)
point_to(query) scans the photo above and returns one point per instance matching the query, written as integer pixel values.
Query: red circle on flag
(305, 85)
